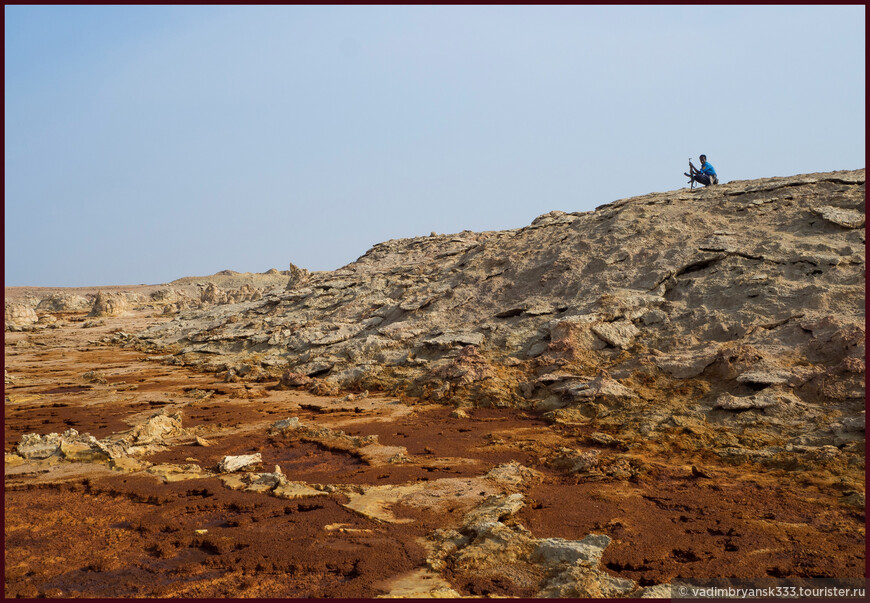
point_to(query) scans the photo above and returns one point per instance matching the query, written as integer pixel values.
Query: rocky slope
(733, 315)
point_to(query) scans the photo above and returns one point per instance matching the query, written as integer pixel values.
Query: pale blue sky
(147, 143)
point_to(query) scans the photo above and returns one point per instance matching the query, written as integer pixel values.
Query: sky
(148, 143)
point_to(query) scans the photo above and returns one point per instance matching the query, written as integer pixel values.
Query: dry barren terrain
(609, 403)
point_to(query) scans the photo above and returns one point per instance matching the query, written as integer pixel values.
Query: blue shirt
(707, 168)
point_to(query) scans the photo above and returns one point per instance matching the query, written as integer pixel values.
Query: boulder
(109, 304)
(230, 464)
(20, 315)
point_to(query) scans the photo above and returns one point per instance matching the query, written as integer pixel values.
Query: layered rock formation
(734, 313)
(35, 308)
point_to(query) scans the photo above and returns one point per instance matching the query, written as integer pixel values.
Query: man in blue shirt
(706, 175)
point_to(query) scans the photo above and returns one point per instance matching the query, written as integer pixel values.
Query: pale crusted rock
(256, 482)
(291, 490)
(629, 304)
(548, 378)
(451, 340)
(487, 544)
(63, 302)
(69, 445)
(366, 448)
(659, 591)
(86, 451)
(109, 304)
(34, 446)
(212, 294)
(576, 461)
(554, 551)
(554, 217)
(729, 402)
(294, 379)
(127, 464)
(337, 334)
(172, 472)
(95, 377)
(689, 362)
(514, 475)
(144, 438)
(766, 377)
(846, 218)
(157, 427)
(289, 423)
(536, 348)
(492, 511)
(167, 295)
(298, 277)
(578, 330)
(230, 464)
(420, 583)
(619, 334)
(600, 389)
(19, 314)
(582, 582)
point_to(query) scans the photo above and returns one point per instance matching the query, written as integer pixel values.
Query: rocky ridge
(34, 308)
(733, 313)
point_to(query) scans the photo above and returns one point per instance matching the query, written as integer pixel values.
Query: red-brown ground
(103, 533)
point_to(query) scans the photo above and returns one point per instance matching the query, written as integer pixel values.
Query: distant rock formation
(213, 294)
(298, 276)
(64, 302)
(109, 304)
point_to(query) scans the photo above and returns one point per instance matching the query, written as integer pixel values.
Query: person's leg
(703, 179)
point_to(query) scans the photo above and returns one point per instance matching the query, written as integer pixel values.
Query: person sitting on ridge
(706, 175)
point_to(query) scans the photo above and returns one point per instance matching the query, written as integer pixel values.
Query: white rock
(231, 464)
(619, 334)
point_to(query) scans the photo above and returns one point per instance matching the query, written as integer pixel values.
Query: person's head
(703, 158)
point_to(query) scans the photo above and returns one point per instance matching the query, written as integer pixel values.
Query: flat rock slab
(376, 502)
(846, 218)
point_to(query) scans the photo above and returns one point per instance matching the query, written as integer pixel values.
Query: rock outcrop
(734, 313)
(19, 315)
(144, 438)
(109, 304)
(64, 302)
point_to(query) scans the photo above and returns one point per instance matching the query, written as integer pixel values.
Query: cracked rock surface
(681, 303)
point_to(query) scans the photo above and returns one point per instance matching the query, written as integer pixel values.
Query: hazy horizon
(150, 143)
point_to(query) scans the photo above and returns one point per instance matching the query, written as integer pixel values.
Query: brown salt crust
(130, 534)
(133, 536)
(677, 525)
